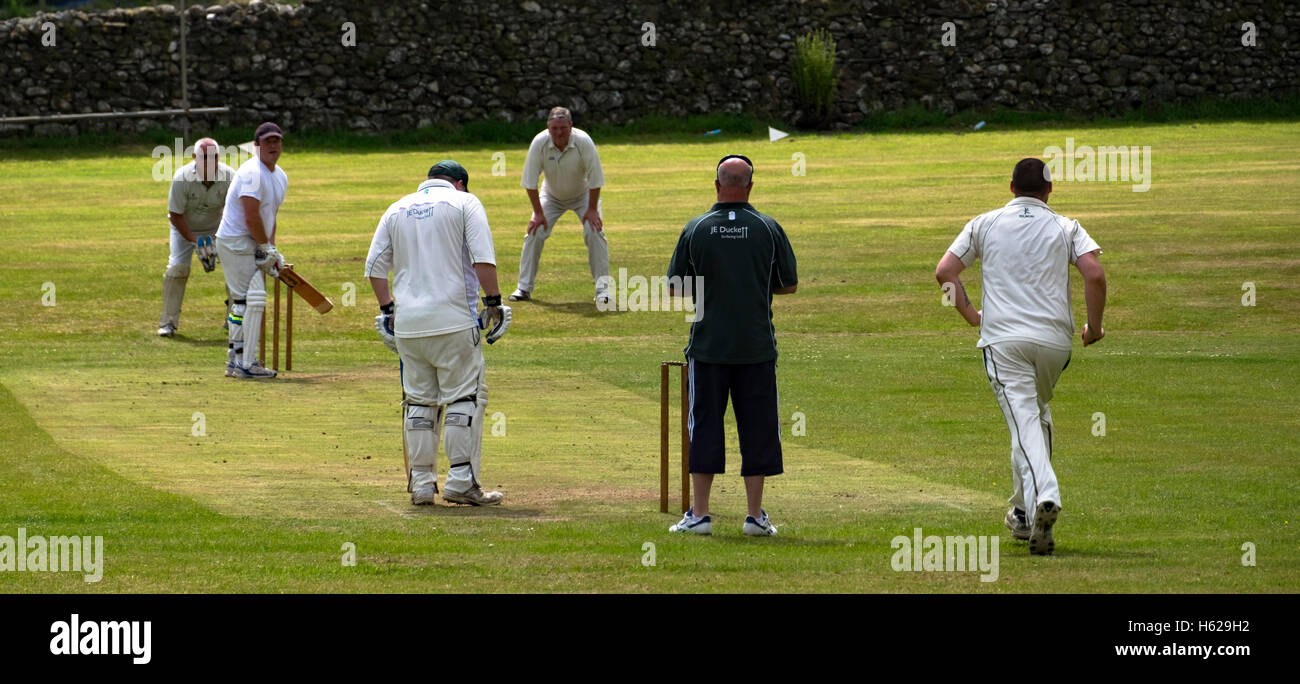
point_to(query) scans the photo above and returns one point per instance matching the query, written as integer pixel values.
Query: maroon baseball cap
(266, 129)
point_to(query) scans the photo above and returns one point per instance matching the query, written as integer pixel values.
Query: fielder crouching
(194, 205)
(438, 246)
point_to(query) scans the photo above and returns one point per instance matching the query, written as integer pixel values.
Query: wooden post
(275, 334)
(288, 331)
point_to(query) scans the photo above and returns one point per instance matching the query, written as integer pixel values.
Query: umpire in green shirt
(740, 258)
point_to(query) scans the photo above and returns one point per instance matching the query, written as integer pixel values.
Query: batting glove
(268, 260)
(494, 318)
(384, 326)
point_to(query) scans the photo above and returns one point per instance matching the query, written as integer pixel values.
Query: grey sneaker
(762, 527)
(519, 296)
(1040, 537)
(256, 371)
(474, 497)
(167, 330)
(232, 370)
(423, 496)
(690, 523)
(1015, 521)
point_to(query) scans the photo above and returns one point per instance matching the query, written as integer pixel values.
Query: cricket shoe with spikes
(519, 296)
(474, 497)
(167, 330)
(1040, 537)
(256, 371)
(692, 524)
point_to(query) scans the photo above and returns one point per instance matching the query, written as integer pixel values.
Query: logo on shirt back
(730, 232)
(421, 211)
(1024, 213)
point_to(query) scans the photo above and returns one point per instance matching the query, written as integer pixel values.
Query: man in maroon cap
(246, 244)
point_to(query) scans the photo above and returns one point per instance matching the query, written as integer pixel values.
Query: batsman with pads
(438, 246)
(246, 245)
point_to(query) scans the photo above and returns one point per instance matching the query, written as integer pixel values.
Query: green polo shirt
(741, 255)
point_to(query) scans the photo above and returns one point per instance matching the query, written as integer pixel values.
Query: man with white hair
(194, 206)
(567, 156)
(246, 243)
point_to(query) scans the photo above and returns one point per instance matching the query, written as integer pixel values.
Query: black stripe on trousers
(1003, 388)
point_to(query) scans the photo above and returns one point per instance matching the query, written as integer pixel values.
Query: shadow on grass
(443, 510)
(196, 342)
(585, 308)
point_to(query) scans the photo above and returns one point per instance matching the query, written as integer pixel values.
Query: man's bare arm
(382, 293)
(487, 278)
(253, 218)
(538, 218)
(947, 272)
(593, 213)
(182, 226)
(785, 290)
(1094, 293)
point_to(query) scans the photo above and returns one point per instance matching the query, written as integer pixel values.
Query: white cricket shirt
(569, 174)
(200, 204)
(1025, 251)
(254, 180)
(430, 240)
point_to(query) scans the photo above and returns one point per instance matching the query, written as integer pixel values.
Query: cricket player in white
(567, 156)
(246, 244)
(194, 205)
(438, 246)
(1025, 250)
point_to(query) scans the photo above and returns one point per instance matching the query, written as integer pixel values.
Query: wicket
(275, 333)
(663, 438)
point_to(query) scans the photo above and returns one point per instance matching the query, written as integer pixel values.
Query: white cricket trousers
(445, 389)
(1022, 375)
(597, 247)
(247, 286)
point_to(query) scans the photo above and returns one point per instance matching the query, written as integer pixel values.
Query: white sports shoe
(254, 372)
(474, 497)
(1015, 521)
(168, 330)
(519, 296)
(1040, 537)
(423, 496)
(692, 524)
(759, 528)
(602, 298)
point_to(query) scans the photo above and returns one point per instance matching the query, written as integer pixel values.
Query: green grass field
(1199, 457)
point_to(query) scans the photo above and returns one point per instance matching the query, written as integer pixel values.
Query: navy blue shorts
(752, 388)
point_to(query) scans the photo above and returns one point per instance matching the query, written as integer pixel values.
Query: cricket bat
(305, 290)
